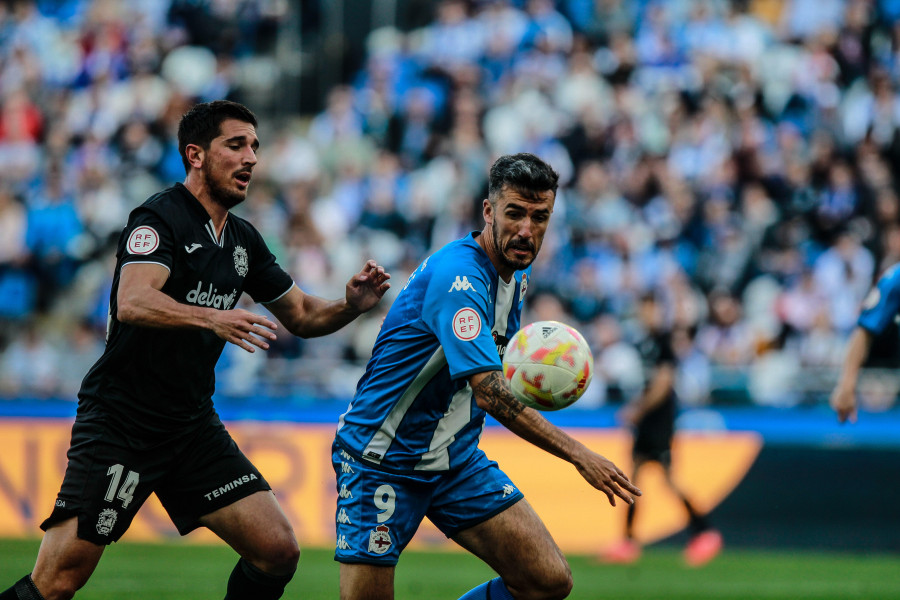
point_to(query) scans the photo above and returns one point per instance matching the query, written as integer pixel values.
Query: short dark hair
(202, 123)
(524, 172)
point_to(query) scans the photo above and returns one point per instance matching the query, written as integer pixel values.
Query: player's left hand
(604, 475)
(366, 288)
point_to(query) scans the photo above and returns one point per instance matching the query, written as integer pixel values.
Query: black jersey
(656, 351)
(154, 381)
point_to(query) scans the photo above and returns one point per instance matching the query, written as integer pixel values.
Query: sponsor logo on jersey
(380, 539)
(193, 247)
(241, 263)
(107, 521)
(461, 285)
(235, 483)
(143, 240)
(210, 297)
(502, 342)
(466, 324)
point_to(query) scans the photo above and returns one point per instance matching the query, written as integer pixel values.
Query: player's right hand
(243, 328)
(843, 402)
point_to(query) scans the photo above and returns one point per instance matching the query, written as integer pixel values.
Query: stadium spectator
(154, 382)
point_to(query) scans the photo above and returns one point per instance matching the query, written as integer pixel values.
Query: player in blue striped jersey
(880, 308)
(407, 447)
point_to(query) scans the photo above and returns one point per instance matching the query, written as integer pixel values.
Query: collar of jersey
(195, 206)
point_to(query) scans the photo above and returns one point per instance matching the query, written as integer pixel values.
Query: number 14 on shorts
(125, 493)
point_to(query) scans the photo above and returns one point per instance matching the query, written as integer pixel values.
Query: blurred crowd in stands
(736, 158)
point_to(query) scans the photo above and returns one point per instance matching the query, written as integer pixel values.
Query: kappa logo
(342, 543)
(193, 247)
(380, 539)
(345, 493)
(107, 521)
(342, 517)
(346, 468)
(508, 489)
(461, 285)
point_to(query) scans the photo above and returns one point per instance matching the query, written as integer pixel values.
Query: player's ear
(195, 155)
(487, 210)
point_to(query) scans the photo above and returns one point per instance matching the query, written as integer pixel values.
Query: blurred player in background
(880, 309)
(407, 447)
(652, 417)
(146, 422)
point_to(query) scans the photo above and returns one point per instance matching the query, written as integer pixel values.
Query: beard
(222, 195)
(514, 244)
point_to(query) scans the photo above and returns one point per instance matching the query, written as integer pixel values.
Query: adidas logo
(547, 331)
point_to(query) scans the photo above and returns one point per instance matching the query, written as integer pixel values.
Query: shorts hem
(482, 518)
(365, 561)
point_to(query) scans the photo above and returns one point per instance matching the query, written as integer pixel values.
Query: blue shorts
(378, 512)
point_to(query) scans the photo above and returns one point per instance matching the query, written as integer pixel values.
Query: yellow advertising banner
(296, 460)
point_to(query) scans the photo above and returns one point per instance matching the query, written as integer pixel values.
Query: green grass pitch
(179, 571)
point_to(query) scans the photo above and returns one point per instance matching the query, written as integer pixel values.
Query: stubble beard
(515, 265)
(222, 195)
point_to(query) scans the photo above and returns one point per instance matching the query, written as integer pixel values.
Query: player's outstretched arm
(308, 316)
(492, 393)
(843, 398)
(140, 302)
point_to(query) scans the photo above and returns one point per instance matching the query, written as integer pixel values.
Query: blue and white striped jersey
(882, 305)
(413, 409)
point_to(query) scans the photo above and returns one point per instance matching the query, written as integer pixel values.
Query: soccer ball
(548, 365)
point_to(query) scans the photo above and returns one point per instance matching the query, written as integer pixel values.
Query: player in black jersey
(145, 422)
(652, 417)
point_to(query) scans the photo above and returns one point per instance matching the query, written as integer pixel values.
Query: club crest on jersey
(380, 539)
(524, 286)
(466, 324)
(241, 263)
(107, 521)
(143, 240)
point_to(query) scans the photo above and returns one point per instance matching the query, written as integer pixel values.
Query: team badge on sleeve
(466, 324)
(143, 240)
(380, 539)
(872, 299)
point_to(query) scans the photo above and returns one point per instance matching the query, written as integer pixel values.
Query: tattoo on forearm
(502, 405)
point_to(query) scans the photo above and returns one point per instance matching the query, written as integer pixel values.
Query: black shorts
(107, 479)
(653, 443)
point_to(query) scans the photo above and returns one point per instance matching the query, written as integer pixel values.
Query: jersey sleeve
(266, 281)
(456, 310)
(147, 238)
(882, 304)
